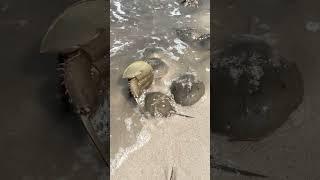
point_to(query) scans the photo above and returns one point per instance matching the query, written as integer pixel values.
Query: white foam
(180, 45)
(114, 50)
(143, 137)
(128, 122)
(175, 12)
(118, 5)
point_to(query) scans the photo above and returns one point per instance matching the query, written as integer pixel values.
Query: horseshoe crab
(194, 37)
(158, 104)
(153, 53)
(79, 39)
(187, 90)
(190, 3)
(159, 67)
(255, 89)
(140, 76)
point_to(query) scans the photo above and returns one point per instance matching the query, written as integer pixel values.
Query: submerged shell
(137, 70)
(187, 90)
(158, 104)
(189, 34)
(159, 67)
(153, 53)
(255, 90)
(194, 37)
(190, 3)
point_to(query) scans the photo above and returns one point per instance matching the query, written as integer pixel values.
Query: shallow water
(135, 26)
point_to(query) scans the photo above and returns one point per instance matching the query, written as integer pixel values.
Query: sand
(176, 144)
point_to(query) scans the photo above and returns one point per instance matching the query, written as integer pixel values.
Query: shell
(160, 68)
(190, 3)
(194, 37)
(255, 89)
(140, 75)
(137, 69)
(158, 104)
(153, 53)
(187, 90)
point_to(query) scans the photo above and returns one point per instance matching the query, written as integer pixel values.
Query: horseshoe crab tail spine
(183, 115)
(91, 132)
(237, 171)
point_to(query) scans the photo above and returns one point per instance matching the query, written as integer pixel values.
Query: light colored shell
(137, 69)
(140, 76)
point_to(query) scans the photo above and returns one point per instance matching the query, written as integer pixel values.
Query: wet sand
(176, 144)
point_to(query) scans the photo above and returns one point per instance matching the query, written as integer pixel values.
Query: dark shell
(158, 104)
(152, 53)
(85, 74)
(188, 34)
(159, 67)
(254, 90)
(187, 90)
(190, 3)
(194, 38)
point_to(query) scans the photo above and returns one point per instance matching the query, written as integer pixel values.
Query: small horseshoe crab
(190, 3)
(158, 104)
(140, 77)
(156, 58)
(160, 68)
(194, 37)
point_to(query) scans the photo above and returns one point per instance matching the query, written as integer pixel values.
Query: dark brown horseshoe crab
(255, 90)
(158, 104)
(190, 3)
(194, 37)
(187, 90)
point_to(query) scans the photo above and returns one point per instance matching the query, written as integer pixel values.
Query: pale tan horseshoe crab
(140, 76)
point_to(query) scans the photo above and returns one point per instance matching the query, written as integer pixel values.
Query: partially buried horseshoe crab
(81, 44)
